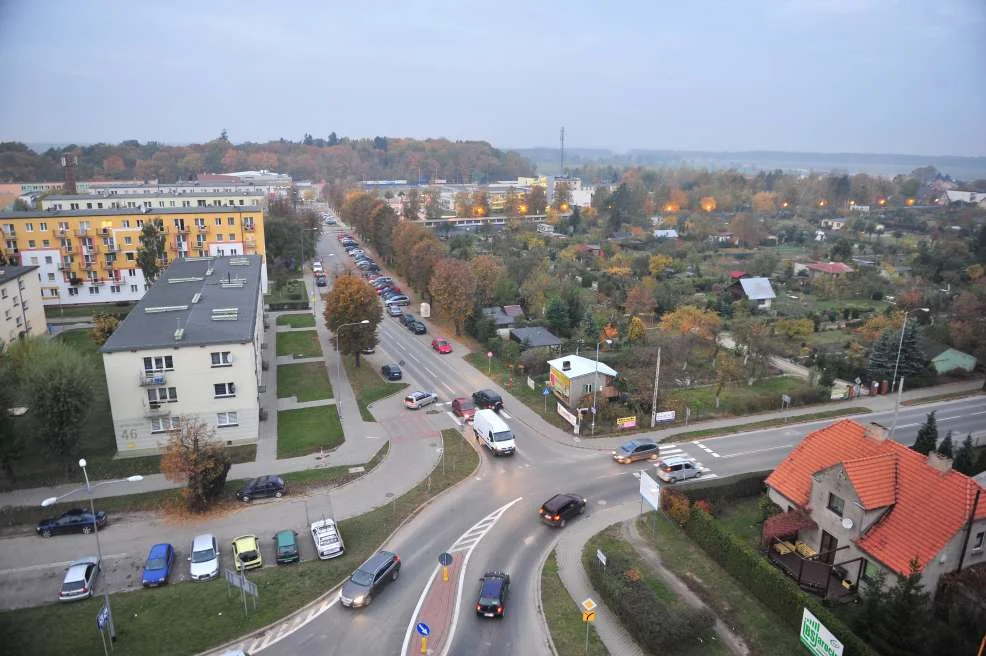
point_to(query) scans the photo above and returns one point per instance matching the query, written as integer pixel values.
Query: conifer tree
(927, 436)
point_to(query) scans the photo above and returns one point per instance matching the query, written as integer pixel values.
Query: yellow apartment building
(90, 256)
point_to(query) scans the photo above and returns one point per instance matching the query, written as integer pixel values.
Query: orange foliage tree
(191, 456)
(453, 288)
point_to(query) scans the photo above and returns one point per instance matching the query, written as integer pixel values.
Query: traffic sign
(588, 616)
(489, 354)
(589, 604)
(102, 618)
(423, 629)
(445, 559)
(545, 391)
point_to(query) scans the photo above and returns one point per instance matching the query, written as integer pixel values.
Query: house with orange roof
(857, 502)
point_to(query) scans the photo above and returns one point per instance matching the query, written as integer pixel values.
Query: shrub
(678, 509)
(716, 490)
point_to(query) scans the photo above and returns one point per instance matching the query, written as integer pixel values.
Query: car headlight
(359, 599)
(614, 453)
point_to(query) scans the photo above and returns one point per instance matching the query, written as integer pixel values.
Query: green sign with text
(818, 639)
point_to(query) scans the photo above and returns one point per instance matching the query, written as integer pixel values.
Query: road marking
(290, 627)
(402, 347)
(454, 418)
(670, 451)
(756, 451)
(413, 356)
(373, 437)
(484, 525)
(448, 388)
(431, 372)
(504, 413)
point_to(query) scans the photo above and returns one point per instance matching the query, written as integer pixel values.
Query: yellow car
(246, 552)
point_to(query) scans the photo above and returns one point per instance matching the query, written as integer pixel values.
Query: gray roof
(171, 304)
(499, 317)
(757, 289)
(9, 272)
(534, 336)
(156, 193)
(127, 211)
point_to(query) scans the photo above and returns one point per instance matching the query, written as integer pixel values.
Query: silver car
(672, 470)
(79, 579)
(205, 558)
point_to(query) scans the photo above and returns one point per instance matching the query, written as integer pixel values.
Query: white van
(494, 433)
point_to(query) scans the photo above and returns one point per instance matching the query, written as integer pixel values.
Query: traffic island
(435, 617)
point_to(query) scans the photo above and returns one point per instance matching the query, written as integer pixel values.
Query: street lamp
(338, 350)
(95, 526)
(595, 385)
(900, 388)
(301, 235)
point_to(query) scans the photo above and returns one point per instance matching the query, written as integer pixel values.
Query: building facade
(150, 197)
(572, 377)
(90, 255)
(21, 311)
(191, 348)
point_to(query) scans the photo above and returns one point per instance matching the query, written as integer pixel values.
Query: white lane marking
(454, 418)
(484, 525)
(670, 451)
(448, 388)
(373, 437)
(413, 356)
(504, 413)
(756, 451)
(288, 629)
(431, 372)
(402, 347)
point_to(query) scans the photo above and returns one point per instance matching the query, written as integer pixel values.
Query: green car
(286, 547)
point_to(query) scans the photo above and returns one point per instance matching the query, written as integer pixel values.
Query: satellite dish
(846, 523)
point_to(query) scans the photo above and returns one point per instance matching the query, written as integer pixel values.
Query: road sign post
(445, 559)
(424, 631)
(102, 618)
(588, 615)
(489, 360)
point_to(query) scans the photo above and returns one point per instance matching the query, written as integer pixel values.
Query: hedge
(651, 622)
(740, 486)
(767, 583)
(288, 305)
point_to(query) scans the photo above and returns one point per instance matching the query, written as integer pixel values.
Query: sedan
(75, 520)
(463, 407)
(418, 328)
(286, 547)
(408, 319)
(416, 400)
(160, 560)
(79, 579)
(394, 310)
(638, 449)
(441, 345)
(560, 508)
(262, 486)
(398, 299)
(246, 553)
(391, 372)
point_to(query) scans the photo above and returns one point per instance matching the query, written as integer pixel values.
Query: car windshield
(628, 448)
(361, 577)
(155, 563)
(466, 405)
(203, 556)
(503, 436)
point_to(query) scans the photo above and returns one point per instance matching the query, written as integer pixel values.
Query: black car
(407, 319)
(493, 590)
(487, 398)
(75, 520)
(382, 568)
(560, 508)
(264, 486)
(418, 328)
(391, 371)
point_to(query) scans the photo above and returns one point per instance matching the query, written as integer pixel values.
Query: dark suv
(382, 568)
(407, 319)
(493, 590)
(264, 486)
(391, 371)
(487, 398)
(560, 508)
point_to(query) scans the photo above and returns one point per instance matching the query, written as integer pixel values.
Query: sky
(859, 76)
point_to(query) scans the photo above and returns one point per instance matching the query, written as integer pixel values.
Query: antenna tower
(562, 139)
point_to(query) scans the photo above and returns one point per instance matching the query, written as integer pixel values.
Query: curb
(540, 608)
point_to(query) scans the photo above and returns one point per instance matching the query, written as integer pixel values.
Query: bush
(678, 509)
(741, 486)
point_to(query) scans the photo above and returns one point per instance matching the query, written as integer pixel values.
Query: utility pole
(657, 380)
(562, 139)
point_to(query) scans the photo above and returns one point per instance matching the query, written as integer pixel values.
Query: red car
(464, 407)
(441, 345)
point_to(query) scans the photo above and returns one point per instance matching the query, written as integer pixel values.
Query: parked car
(157, 568)
(368, 350)
(379, 570)
(637, 449)
(204, 558)
(494, 588)
(676, 468)
(407, 319)
(246, 553)
(80, 578)
(75, 520)
(286, 547)
(441, 345)
(487, 398)
(394, 310)
(263, 486)
(560, 508)
(417, 400)
(328, 541)
(463, 407)
(418, 328)
(391, 372)
(398, 299)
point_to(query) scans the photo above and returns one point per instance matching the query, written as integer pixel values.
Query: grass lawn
(702, 399)
(304, 431)
(146, 619)
(564, 615)
(368, 385)
(517, 386)
(767, 423)
(292, 290)
(762, 630)
(86, 311)
(302, 344)
(300, 320)
(742, 517)
(309, 381)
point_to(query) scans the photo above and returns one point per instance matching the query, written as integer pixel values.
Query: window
(31, 243)
(159, 363)
(129, 255)
(48, 259)
(219, 220)
(73, 291)
(977, 545)
(51, 277)
(165, 424)
(200, 224)
(29, 227)
(162, 395)
(94, 291)
(133, 288)
(126, 223)
(128, 240)
(836, 504)
(222, 359)
(43, 227)
(224, 390)
(224, 419)
(115, 289)
(219, 236)
(231, 220)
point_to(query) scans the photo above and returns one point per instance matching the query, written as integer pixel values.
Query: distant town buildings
(21, 311)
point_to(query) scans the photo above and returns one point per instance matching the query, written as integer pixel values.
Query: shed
(500, 318)
(946, 359)
(535, 337)
(758, 290)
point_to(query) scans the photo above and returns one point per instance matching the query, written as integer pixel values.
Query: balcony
(149, 378)
(248, 227)
(155, 409)
(82, 232)
(64, 267)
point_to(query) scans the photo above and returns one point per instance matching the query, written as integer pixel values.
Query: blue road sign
(423, 629)
(546, 391)
(445, 558)
(102, 618)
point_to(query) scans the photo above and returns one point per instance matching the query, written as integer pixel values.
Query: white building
(972, 197)
(22, 313)
(191, 347)
(154, 197)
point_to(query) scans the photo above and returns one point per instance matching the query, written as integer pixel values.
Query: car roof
(675, 460)
(641, 441)
(489, 392)
(377, 560)
(76, 572)
(559, 500)
(159, 550)
(202, 541)
(285, 537)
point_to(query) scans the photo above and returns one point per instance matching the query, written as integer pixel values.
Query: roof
(534, 336)
(829, 267)
(155, 192)
(669, 233)
(499, 317)
(190, 295)
(580, 366)
(931, 348)
(925, 507)
(736, 275)
(128, 211)
(10, 272)
(513, 311)
(757, 289)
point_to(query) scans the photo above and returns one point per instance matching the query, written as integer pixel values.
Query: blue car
(160, 560)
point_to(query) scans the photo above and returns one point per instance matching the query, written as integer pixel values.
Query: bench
(804, 550)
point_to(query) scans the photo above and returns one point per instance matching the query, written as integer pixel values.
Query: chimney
(939, 462)
(876, 432)
(565, 365)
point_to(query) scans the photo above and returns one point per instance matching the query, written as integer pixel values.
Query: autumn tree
(487, 269)
(453, 289)
(729, 369)
(764, 202)
(690, 320)
(873, 327)
(403, 240)
(658, 264)
(151, 251)
(105, 325)
(412, 205)
(639, 301)
(351, 301)
(191, 456)
(433, 205)
(563, 196)
(636, 330)
(748, 230)
(537, 200)
(424, 255)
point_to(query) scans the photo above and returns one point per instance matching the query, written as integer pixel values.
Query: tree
(453, 288)
(556, 314)
(639, 301)
(690, 320)
(927, 438)
(350, 301)
(883, 362)
(487, 269)
(945, 448)
(658, 264)
(964, 458)
(106, 324)
(11, 438)
(412, 205)
(424, 255)
(841, 250)
(191, 456)
(764, 202)
(903, 626)
(151, 251)
(575, 220)
(563, 196)
(728, 370)
(537, 200)
(748, 230)
(636, 331)
(433, 205)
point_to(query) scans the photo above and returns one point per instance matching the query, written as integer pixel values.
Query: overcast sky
(878, 76)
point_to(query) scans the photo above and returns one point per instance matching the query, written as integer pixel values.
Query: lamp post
(900, 388)
(95, 526)
(595, 386)
(338, 338)
(301, 236)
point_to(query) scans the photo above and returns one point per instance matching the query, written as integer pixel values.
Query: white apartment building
(22, 313)
(191, 347)
(155, 197)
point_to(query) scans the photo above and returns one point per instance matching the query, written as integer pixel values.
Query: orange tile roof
(926, 507)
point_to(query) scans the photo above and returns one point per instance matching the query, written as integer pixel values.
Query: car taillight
(478, 608)
(499, 609)
(397, 558)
